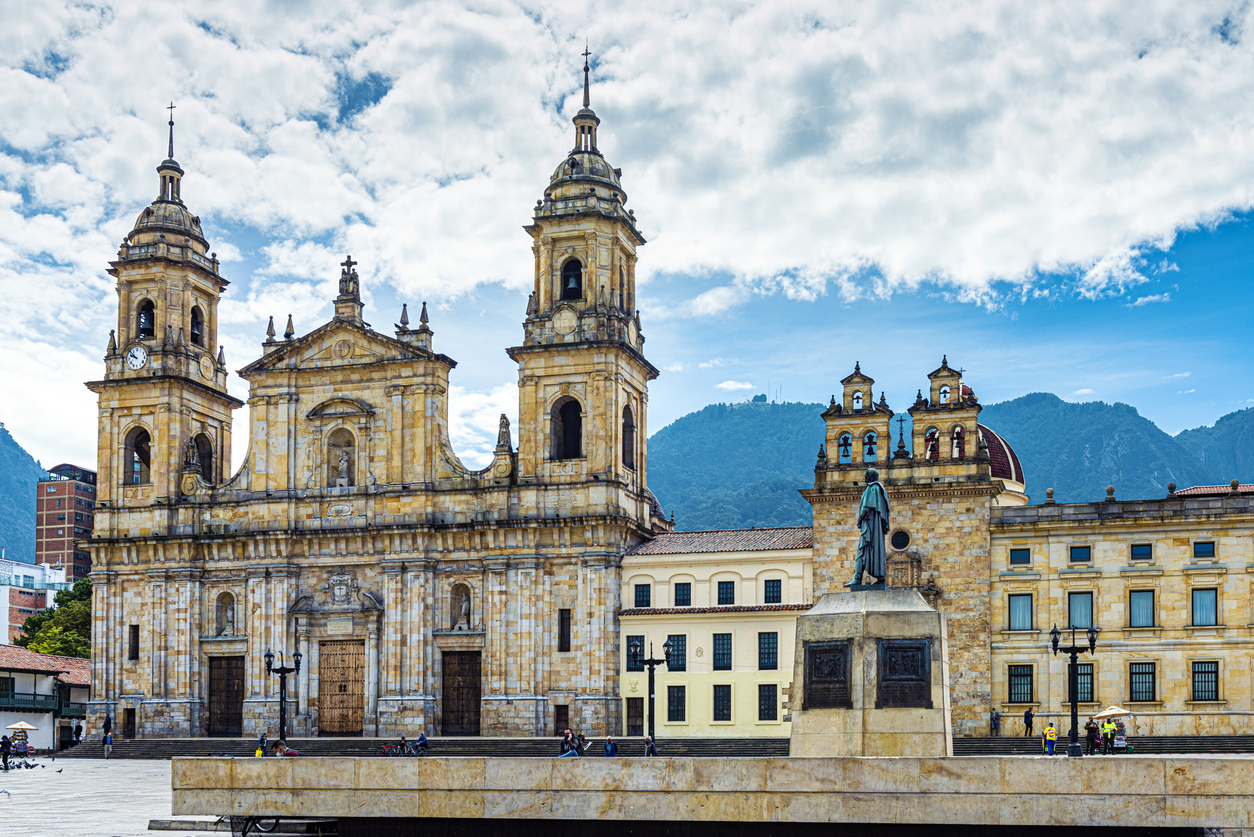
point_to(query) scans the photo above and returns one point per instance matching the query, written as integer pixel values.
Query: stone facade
(353, 533)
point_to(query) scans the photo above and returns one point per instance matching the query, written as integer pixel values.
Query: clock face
(136, 357)
(206, 367)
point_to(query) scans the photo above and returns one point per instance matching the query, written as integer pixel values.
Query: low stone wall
(1213, 791)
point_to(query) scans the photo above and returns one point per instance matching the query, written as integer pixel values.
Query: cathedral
(419, 594)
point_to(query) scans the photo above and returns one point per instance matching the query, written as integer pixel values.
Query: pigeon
(61, 769)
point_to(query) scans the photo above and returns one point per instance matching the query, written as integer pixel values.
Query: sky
(1057, 196)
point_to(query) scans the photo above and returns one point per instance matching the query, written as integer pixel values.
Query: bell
(572, 283)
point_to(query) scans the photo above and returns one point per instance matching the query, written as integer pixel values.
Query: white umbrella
(1112, 712)
(23, 725)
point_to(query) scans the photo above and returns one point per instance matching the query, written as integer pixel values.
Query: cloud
(1177, 375)
(1185, 391)
(710, 364)
(474, 419)
(1146, 300)
(717, 300)
(729, 386)
(674, 367)
(1083, 392)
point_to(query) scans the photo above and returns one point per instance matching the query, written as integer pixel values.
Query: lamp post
(1073, 680)
(636, 649)
(283, 671)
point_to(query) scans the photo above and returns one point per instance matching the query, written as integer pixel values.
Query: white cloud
(1177, 375)
(1147, 300)
(710, 364)
(1083, 392)
(729, 386)
(1185, 391)
(674, 367)
(474, 419)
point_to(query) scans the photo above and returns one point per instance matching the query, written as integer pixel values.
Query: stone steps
(1010, 746)
(164, 748)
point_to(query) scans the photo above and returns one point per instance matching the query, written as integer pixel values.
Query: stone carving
(873, 522)
(340, 586)
(349, 283)
(827, 675)
(461, 608)
(905, 674)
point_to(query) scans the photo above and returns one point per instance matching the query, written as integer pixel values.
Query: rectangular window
(1204, 549)
(773, 591)
(1079, 610)
(1141, 609)
(644, 595)
(722, 703)
(1083, 682)
(52, 489)
(1021, 612)
(635, 716)
(133, 646)
(727, 592)
(1020, 556)
(1142, 552)
(722, 652)
(1205, 607)
(1142, 681)
(1206, 680)
(768, 702)
(676, 704)
(78, 516)
(635, 663)
(768, 651)
(1020, 684)
(60, 517)
(1081, 553)
(679, 653)
(563, 629)
(683, 594)
(58, 502)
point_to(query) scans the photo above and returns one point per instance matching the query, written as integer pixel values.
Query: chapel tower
(165, 416)
(582, 375)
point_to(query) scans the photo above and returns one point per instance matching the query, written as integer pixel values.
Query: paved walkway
(85, 799)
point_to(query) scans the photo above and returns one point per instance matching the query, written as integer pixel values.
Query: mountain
(1227, 449)
(19, 472)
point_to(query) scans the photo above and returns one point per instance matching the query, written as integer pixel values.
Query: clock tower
(165, 416)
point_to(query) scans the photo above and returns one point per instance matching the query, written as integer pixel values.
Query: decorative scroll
(827, 675)
(905, 674)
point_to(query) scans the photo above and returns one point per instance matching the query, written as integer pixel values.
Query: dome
(167, 216)
(1002, 457)
(655, 508)
(585, 165)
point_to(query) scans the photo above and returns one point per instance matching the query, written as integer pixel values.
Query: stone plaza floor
(87, 798)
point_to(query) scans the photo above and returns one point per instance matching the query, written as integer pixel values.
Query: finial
(587, 99)
(113, 344)
(1049, 496)
(1110, 494)
(1171, 489)
(290, 331)
(422, 318)
(405, 315)
(944, 361)
(857, 367)
(1235, 485)
(270, 331)
(221, 357)
(170, 152)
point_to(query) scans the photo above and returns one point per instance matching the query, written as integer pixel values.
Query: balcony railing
(22, 700)
(11, 581)
(72, 710)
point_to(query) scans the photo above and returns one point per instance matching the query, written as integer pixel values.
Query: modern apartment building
(64, 512)
(28, 589)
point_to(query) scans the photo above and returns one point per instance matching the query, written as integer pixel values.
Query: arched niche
(629, 438)
(145, 320)
(566, 429)
(197, 330)
(137, 457)
(341, 458)
(572, 279)
(460, 608)
(204, 456)
(224, 615)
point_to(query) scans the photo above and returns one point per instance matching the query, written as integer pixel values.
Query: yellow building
(727, 601)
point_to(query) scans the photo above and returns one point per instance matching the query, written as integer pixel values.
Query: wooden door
(462, 689)
(128, 723)
(341, 686)
(635, 716)
(226, 696)
(561, 719)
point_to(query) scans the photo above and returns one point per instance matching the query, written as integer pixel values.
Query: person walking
(78, 732)
(1108, 737)
(108, 725)
(262, 746)
(107, 741)
(1091, 733)
(611, 749)
(994, 723)
(1051, 738)
(6, 747)
(650, 748)
(1027, 722)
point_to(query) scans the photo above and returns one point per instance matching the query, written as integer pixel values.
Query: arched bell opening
(204, 455)
(145, 320)
(629, 438)
(138, 457)
(572, 280)
(197, 328)
(566, 429)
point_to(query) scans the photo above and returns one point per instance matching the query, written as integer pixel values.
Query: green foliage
(1227, 449)
(19, 472)
(65, 626)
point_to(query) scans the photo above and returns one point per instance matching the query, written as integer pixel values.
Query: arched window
(857, 400)
(959, 448)
(844, 449)
(931, 443)
(869, 448)
(204, 455)
(138, 458)
(572, 280)
(198, 327)
(146, 320)
(944, 395)
(566, 429)
(224, 615)
(629, 438)
(341, 459)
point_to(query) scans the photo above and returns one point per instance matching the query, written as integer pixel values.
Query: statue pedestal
(871, 677)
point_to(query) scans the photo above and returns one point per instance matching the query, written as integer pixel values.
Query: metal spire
(587, 100)
(170, 153)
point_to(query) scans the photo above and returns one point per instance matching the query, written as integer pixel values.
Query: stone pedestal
(871, 677)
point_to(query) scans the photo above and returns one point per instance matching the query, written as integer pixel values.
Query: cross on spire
(170, 154)
(587, 99)
(348, 264)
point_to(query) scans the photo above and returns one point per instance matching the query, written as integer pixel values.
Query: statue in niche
(342, 472)
(226, 615)
(461, 608)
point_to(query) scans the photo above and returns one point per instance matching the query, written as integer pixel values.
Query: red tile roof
(1212, 490)
(684, 611)
(72, 671)
(728, 540)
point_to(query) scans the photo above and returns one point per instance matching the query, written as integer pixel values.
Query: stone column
(393, 626)
(372, 672)
(302, 685)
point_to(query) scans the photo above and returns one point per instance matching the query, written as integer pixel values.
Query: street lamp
(283, 671)
(635, 649)
(1073, 678)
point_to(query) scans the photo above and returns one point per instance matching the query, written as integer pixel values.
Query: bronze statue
(873, 522)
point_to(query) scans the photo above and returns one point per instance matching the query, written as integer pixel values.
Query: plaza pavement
(88, 798)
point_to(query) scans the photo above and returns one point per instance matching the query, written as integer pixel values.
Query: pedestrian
(570, 746)
(281, 749)
(994, 723)
(6, 747)
(1027, 722)
(584, 744)
(650, 748)
(107, 741)
(1091, 733)
(422, 743)
(1051, 738)
(262, 746)
(108, 725)
(1108, 737)
(78, 732)
(611, 749)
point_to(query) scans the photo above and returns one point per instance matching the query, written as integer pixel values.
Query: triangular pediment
(339, 343)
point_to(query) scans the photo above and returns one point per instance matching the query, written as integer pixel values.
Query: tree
(64, 628)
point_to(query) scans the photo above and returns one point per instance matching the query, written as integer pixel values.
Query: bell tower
(583, 376)
(165, 416)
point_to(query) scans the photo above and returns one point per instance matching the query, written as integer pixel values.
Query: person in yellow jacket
(1108, 737)
(1051, 738)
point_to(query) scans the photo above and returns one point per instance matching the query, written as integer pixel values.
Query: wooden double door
(461, 681)
(226, 697)
(341, 687)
